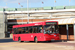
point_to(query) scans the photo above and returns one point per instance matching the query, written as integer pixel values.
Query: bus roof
(32, 24)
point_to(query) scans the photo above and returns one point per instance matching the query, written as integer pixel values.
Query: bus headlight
(54, 35)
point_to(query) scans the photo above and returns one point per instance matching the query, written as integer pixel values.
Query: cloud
(3, 7)
(13, 1)
(23, 1)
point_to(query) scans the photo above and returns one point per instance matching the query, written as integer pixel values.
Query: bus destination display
(51, 23)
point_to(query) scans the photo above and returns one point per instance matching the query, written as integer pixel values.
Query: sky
(35, 3)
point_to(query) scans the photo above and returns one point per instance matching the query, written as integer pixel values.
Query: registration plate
(52, 39)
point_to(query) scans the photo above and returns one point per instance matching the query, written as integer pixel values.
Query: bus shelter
(66, 28)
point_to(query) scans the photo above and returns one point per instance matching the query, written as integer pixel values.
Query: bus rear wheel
(36, 41)
(19, 39)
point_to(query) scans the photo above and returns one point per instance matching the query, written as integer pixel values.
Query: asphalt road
(9, 44)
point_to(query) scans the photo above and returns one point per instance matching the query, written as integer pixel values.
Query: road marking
(20, 44)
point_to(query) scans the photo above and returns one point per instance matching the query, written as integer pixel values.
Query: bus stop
(66, 28)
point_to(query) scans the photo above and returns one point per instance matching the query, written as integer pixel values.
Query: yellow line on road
(19, 44)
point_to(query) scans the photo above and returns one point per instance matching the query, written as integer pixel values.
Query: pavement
(71, 41)
(9, 44)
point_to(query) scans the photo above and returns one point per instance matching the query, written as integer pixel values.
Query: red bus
(41, 31)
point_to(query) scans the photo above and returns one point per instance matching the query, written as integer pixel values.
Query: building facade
(65, 17)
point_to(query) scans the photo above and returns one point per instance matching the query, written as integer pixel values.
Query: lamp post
(22, 14)
(54, 2)
(27, 12)
(69, 2)
(21, 11)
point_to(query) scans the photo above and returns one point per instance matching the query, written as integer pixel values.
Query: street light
(21, 11)
(22, 14)
(69, 2)
(28, 12)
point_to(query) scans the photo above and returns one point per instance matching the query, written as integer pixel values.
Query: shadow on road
(52, 41)
(11, 40)
(6, 40)
(46, 41)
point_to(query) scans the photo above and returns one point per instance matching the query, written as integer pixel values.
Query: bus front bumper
(51, 39)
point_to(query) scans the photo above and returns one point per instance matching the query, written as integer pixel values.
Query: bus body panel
(40, 37)
(29, 37)
(51, 37)
(33, 24)
(15, 37)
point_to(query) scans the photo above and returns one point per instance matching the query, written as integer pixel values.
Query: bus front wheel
(36, 41)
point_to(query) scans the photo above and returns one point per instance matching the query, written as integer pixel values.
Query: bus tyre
(20, 40)
(36, 41)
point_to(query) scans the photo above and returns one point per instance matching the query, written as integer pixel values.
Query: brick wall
(30, 20)
(63, 33)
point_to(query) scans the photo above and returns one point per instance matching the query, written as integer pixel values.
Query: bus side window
(15, 31)
(30, 29)
(19, 30)
(35, 29)
(26, 30)
(40, 28)
(23, 29)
